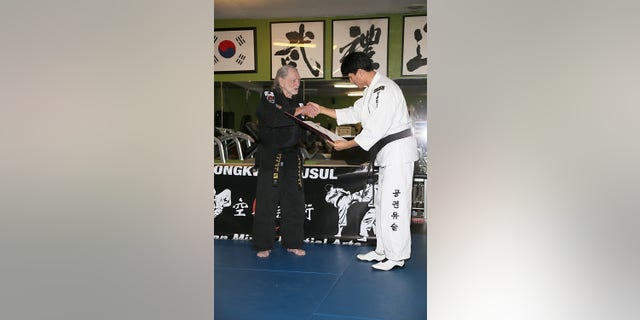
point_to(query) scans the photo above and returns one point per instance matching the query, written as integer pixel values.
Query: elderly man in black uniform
(279, 163)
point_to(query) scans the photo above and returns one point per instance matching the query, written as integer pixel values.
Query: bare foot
(297, 252)
(263, 254)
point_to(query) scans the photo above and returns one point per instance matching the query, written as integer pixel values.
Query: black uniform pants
(284, 189)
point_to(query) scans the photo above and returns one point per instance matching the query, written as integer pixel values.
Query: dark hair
(354, 61)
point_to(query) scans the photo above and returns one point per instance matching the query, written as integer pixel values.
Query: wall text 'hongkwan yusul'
(245, 171)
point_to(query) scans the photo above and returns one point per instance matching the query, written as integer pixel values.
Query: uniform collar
(374, 81)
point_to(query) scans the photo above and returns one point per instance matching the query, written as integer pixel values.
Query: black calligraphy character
(364, 40)
(291, 55)
(417, 61)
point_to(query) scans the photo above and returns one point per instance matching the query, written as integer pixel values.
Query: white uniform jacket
(382, 111)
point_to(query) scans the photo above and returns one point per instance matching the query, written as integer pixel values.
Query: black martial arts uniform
(279, 163)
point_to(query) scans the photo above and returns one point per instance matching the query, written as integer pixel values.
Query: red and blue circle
(227, 48)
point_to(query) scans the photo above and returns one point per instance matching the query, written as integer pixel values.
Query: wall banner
(339, 203)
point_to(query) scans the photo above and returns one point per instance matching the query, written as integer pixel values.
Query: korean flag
(234, 50)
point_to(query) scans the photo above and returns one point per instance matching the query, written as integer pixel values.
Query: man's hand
(322, 109)
(340, 145)
(308, 110)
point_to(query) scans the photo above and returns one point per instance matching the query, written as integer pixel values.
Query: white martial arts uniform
(382, 111)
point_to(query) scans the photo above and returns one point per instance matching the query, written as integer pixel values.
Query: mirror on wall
(236, 102)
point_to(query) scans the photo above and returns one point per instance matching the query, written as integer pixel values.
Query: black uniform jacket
(276, 130)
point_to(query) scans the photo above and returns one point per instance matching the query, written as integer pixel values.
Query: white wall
(105, 131)
(533, 160)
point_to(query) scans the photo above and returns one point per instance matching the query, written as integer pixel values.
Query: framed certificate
(316, 128)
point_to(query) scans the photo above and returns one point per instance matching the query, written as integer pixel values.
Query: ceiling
(274, 9)
(271, 9)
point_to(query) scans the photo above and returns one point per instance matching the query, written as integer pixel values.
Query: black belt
(278, 150)
(278, 163)
(373, 151)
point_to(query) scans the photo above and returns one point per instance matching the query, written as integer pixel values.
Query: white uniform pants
(393, 211)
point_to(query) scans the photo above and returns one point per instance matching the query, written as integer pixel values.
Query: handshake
(311, 109)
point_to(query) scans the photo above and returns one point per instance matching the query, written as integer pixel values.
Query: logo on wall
(227, 49)
(234, 50)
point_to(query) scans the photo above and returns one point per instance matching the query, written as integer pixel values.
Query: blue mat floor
(329, 283)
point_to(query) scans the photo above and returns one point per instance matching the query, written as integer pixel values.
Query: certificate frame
(414, 46)
(300, 44)
(316, 128)
(234, 50)
(347, 36)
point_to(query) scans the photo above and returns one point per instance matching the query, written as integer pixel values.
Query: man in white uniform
(386, 134)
